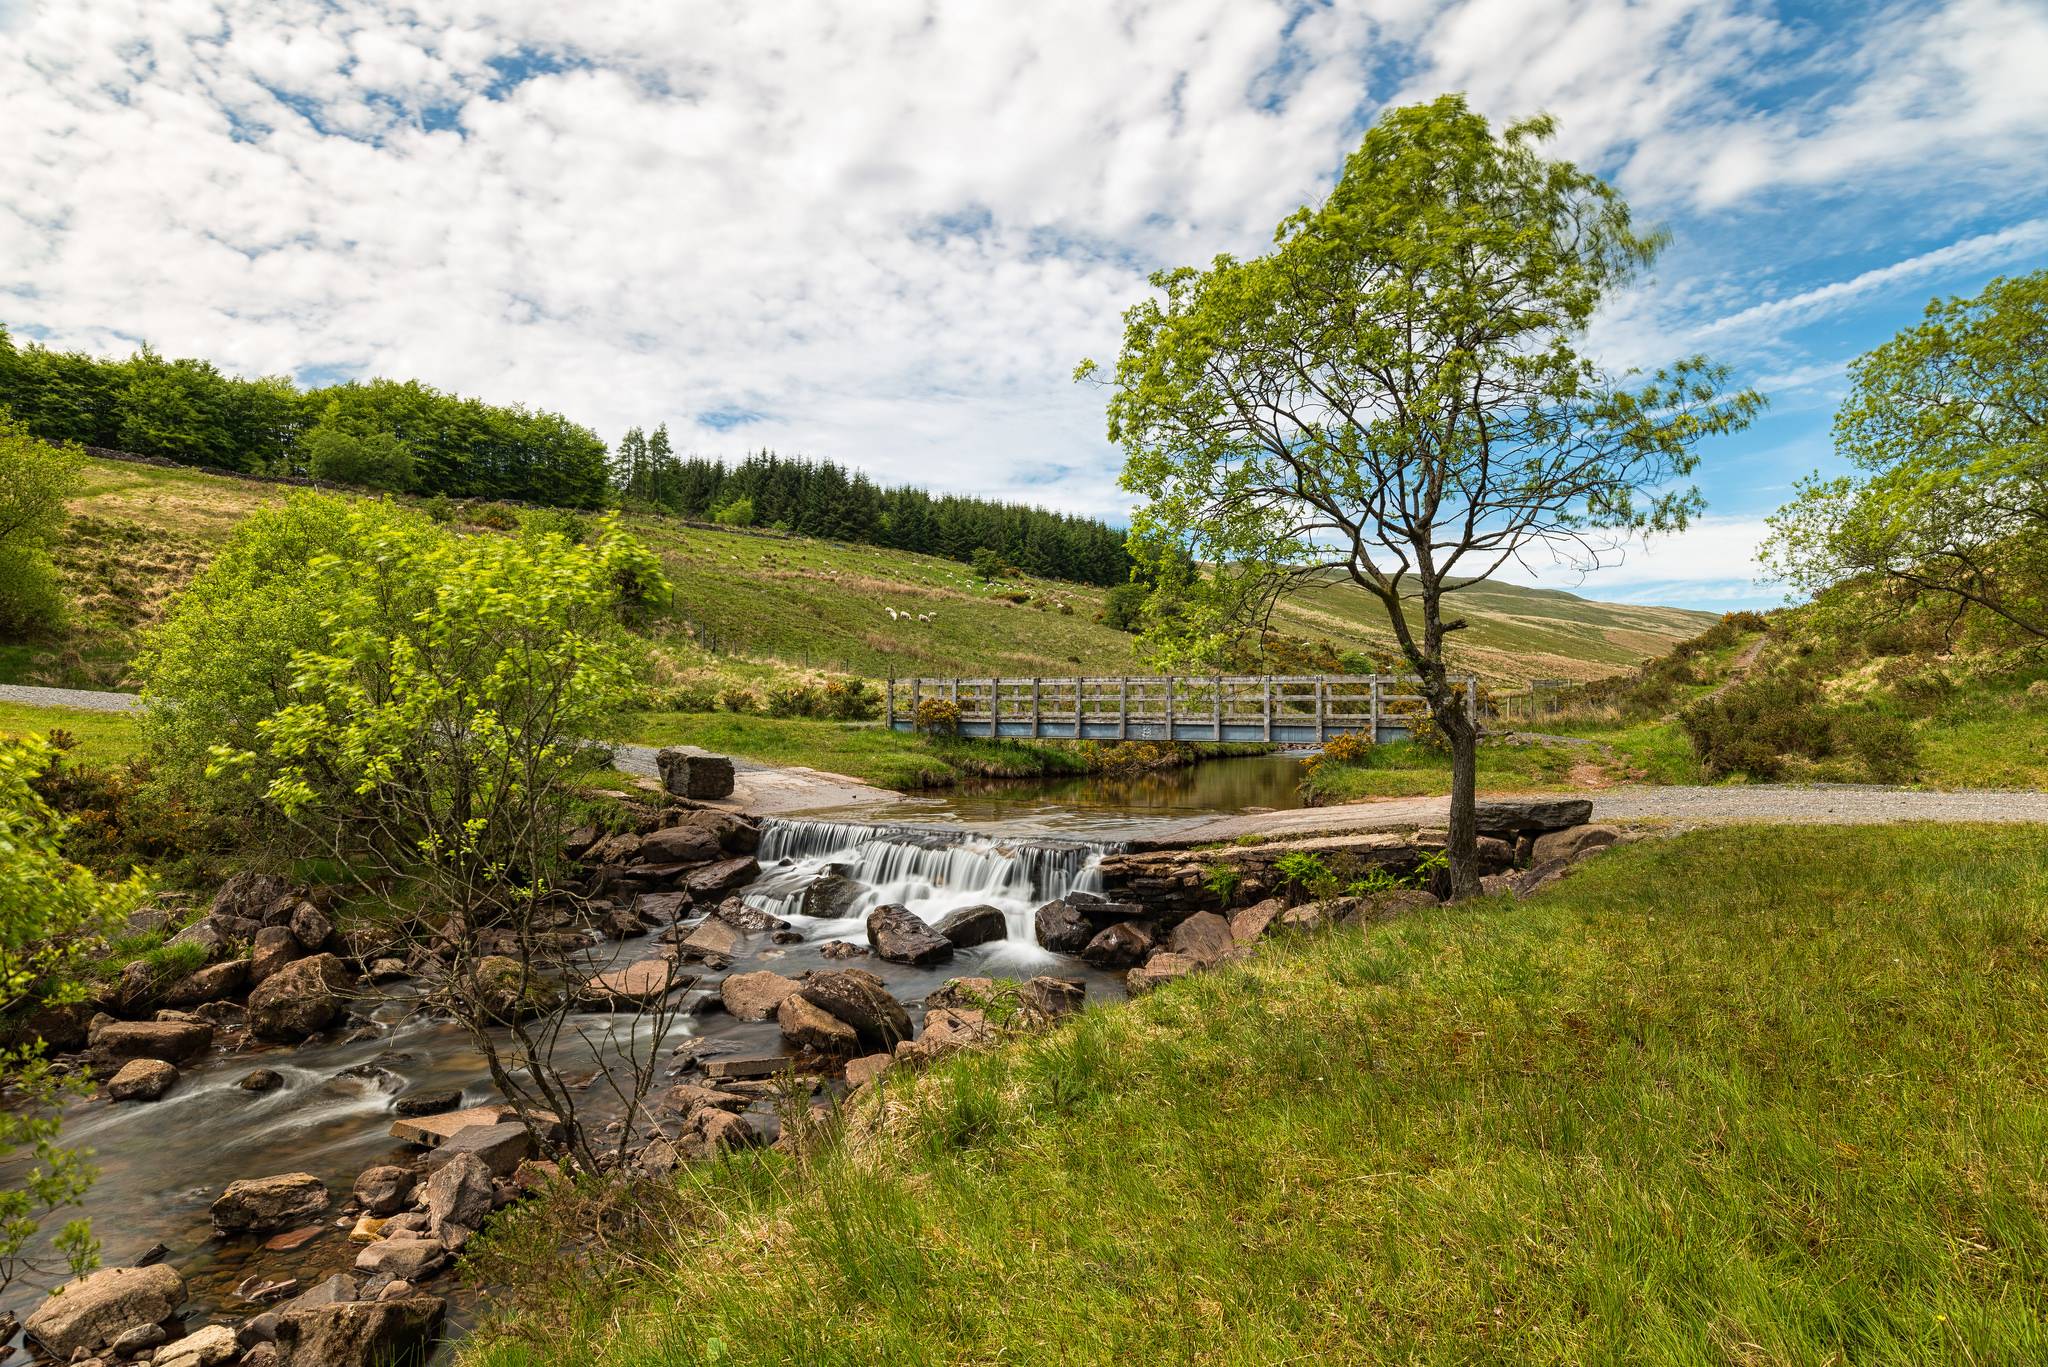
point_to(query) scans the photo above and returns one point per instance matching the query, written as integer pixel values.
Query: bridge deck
(1280, 710)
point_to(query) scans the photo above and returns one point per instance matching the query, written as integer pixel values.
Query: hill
(751, 604)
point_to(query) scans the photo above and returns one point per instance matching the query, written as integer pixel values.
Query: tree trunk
(1463, 845)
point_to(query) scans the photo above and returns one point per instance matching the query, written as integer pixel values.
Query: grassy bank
(1745, 1096)
(101, 736)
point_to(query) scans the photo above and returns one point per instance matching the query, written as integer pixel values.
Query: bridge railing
(1283, 709)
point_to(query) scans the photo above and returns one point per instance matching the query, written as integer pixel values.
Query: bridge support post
(916, 700)
(890, 703)
(1322, 723)
(1169, 708)
(1216, 707)
(1037, 728)
(1123, 709)
(995, 686)
(1269, 709)
(1375, 709)
(1078, 689)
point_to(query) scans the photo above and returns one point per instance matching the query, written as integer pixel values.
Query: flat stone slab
(748, 1067)
(432, 1130)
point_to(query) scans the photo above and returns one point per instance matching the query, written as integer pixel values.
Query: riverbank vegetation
(1744, 1092)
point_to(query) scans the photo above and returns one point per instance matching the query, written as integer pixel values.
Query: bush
(440, 507)
(937, 717)
(987, 564)
(499, 517)
(1886, 746)
(740, 700)
(1124, 607)
(1757, 726)
(689, 697)
(851, 700)
(1349, 747)
(738, 513)
(370, 460)
(795, 700)
(35, 480)
(573, 528)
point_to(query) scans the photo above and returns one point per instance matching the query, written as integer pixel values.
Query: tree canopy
(1947, 428)
(1398, 393)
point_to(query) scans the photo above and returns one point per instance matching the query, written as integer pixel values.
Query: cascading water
(931, 871)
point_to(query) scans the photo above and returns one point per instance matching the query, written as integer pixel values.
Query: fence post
(1216, 707)
(892, 702)
(1169, 707)
(916, 695)
(994, 687)
(1077, 709)
(1037, 728)
(1322, 726)
(1375, 709)
(1269, 709)
(1123, 708)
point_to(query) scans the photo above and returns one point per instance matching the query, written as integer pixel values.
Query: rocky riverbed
(297, 1145)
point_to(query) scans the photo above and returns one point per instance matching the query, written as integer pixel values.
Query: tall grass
(1746, 1096)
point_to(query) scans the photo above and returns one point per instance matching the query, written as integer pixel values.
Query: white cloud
(1711, 563)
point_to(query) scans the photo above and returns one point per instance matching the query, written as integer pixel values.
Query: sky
(885, 232)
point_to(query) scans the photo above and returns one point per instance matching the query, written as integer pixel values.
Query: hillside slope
(749, 603)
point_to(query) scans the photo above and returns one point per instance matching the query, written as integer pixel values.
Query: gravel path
(69, 697)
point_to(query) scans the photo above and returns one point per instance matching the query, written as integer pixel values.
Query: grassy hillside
(1745, 1096)
(763, 603)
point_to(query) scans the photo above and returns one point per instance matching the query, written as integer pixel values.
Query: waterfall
(930, 870)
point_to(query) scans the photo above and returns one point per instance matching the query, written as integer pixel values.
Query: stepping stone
(431, 1130)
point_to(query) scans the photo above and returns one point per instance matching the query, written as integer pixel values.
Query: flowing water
(1012, 846)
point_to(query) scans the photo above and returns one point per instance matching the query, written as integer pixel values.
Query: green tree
(1947, 425)
(737, 513)
(1397, 393)
(370, 460)
(54, 920)
(35, 480)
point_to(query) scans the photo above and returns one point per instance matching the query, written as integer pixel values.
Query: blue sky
(886, 232)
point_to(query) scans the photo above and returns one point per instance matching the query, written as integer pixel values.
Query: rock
(862, 1071)
(273, 948)
(711, 938)
(1384, 906)
(134, 1343)
(209, 984)
(1497, 885)
(1204, 937)
(1512, 816)
(1250, 923)
(1119, 946)
(249, 896)
(61, 1026)
(384, 1189)
(535, 1176)
(359, 1333)
(260, 1205)
(431, 1130)
(506, 992)
(1540, 876)
(971, 993)
(299, 999)
(311, 928)
(500, 1147)
(619, 848)
(703, 777)
(410, 1259)
(1062, 928)
(205, 933)
(858, 997)
(368, 1229)
(261, 1080)
(1492, 853)
(142, 1079)
(714, 881)
(754, 996)
(175, 1041)
(334, 1290)
(101, 1306)
(659, 908)
(1312, 915)
(383, 971)
(639, 984)
(967, 927)
(951, 1029)
(293, 1239)
(844, 949)
(748, 919)
(458, 1194)
(832, 897)
(1044, 999)
(208, 1347)
(901, 937)
(1572, 845)
(678, 845)
(1160, 968)
(427, 1101)
(811, 1027)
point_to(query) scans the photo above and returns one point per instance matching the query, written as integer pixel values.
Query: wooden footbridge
(1290, 710)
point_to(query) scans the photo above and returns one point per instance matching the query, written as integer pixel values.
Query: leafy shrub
(369, 460)
(573, 528)
(1886, 746)
(851, 700)
(987, 564)
(738, 513)
(689, 697)
(937, 717)
(1123, 609)
(1223, 880)
(1350, 747)
(1748, 728)
(499, 517)
(440, 507)
(795, 700)
(1018, 596)
(740, 700)
(35, 480)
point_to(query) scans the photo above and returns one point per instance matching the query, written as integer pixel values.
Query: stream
(1014, 846)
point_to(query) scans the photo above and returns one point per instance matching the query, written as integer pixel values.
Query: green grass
(1746, 1096)
(1405, 769)
(869, 751)
(102, 736)
(1987, 739)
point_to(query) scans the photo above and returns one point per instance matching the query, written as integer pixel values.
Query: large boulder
(948, 1030)
(1514, 816)
(702, 777)
(967, 927)
(250, 896)
(303, 997)
(1160, 968)
(94, 1310)
(1249, 923)
(637, 985)
(209, 984)
(832, 897)
(458, 1195)
(712, 938)
(901, 937)
(1204, 937)
(311, 927)
(384, 1189)
(678, 845)
(858, 997)
(263, 1205)
(734, 834)
(500, 1147)
(504, 991)
(1062, 928)
(714, 881)
(142, 1079)
(1573, 844)
(811, 1027)
(173, 1041)
(381, 1333)
(755, 996)
(405, 1259)
(272, 949)
(214, 1345)
(1044, 999)
(1119, 946)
